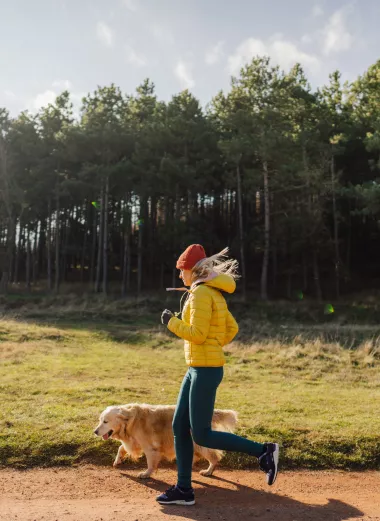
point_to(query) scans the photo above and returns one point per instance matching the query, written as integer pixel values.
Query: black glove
(166, 316)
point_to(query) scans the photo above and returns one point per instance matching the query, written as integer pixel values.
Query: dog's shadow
(217, 502)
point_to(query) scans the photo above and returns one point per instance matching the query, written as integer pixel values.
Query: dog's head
(111, 420)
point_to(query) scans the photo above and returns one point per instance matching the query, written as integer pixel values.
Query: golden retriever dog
(147, 429)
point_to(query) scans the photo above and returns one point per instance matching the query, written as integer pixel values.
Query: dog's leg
(213, 461)
(121, 453)
(153, 458)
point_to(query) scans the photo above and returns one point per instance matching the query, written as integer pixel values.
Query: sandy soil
(92, 493)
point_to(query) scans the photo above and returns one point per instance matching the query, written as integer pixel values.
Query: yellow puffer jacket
(206, 324)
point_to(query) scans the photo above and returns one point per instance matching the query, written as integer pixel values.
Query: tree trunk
(18, 252)
(289, 284)
(188, 205)
(93, 246)
(317, 281)
(274, 264)
(28, 256)
(65, 239)
(125, 287)
(35, 255)
(48, 246)
(42, 248)
(100, 242)
(177, 241)
(264, 272)
(4, 283)
(86, 215)
(140, 246)
(129, 259)
(5, 195)
(162, 275)
(195, 205)
(311, 240)
(11, 247)
(304, 272)
(126, 264)
(336, 230)
(152, 240)
(174, 272)
(8, 262)
(348, 246)
(202, 207)
(57, 237)
(241, 230)
(105, 238)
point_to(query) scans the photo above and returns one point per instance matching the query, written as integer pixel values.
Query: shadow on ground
(141, 328)
(239, 502)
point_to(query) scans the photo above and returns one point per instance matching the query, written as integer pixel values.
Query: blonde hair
(218, 263)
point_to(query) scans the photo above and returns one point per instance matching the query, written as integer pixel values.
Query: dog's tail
(224, 420)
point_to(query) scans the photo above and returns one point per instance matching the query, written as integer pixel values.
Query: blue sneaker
(269, 461)
(175, 496)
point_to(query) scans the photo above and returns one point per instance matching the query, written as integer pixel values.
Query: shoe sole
(178, 502)
(276, 455)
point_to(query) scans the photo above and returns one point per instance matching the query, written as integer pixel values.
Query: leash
(186, 293)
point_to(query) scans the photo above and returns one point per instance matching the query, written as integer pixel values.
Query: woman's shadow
(243, 503)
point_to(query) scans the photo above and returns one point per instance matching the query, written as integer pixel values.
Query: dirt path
(103, 494)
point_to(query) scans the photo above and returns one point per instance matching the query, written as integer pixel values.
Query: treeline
(284, 175)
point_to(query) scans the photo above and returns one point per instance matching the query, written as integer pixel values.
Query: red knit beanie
(190, 257)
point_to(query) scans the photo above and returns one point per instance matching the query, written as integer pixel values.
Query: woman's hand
(166, 316)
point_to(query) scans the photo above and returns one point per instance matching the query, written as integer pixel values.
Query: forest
(285, 175)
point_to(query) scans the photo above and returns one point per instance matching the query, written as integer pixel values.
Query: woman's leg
(204, 383)
(183, 441)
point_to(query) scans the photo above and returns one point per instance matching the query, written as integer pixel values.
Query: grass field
(303, 386)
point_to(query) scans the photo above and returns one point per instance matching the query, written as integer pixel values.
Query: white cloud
(244, 53)
(62, 84)
(336, 37)
(49, 96)
(43, 99)
(104, 34)
(287, 54)
(76, 99)
(317, 11)
(134, 58)
(215, 54)
(183, 73)
(131, 5)
(283, 53)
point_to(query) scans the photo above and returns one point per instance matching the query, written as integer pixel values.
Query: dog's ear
(124, 414)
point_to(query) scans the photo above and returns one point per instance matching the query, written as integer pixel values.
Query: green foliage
(307, 163)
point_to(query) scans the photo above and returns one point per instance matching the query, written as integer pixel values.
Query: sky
(47, 46)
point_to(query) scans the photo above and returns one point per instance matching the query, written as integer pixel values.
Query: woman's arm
(231, 328)
(200, 316)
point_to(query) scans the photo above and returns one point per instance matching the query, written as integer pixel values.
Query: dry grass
(321, 400)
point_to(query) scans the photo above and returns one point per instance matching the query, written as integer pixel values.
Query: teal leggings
(192, 421)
